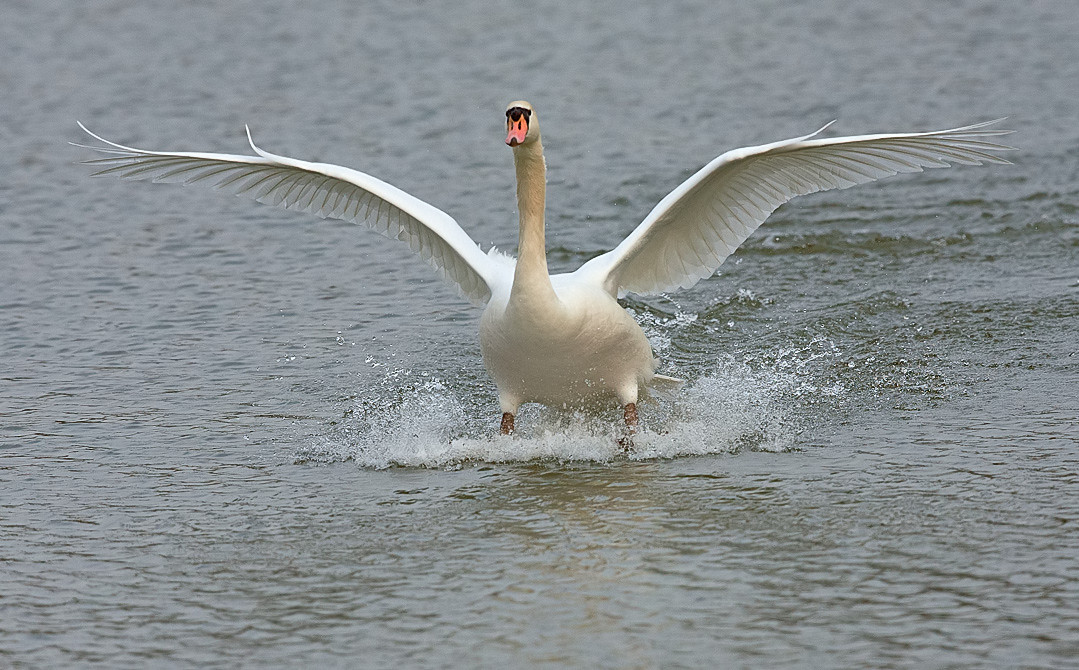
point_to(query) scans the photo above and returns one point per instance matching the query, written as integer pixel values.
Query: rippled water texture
(235, 436)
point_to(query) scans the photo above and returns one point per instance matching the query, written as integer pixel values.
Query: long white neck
(531, 281)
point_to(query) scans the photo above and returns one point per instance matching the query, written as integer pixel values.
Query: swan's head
(522, 127)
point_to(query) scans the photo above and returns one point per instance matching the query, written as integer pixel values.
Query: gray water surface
(236, 436)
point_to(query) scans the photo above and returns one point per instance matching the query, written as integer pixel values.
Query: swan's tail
(664, 385)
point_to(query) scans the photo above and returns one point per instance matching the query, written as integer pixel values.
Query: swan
(563, 339)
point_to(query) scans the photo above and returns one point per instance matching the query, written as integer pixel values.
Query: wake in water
(735, 406)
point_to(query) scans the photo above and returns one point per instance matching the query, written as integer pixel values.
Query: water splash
(733, 407)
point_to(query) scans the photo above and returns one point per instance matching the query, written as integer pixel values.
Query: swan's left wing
(329, 191)
(693, 229)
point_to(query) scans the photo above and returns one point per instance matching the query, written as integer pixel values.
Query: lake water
(237, 436)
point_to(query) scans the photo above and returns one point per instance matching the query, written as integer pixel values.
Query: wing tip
(981, 129)
(111, 148)
(97, 137)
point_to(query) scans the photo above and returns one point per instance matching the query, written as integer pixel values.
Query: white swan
(564, 339)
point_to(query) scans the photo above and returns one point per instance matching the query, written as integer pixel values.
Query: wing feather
(695, 227)
(326, 190)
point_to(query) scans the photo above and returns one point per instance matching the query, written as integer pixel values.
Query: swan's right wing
(329, 191)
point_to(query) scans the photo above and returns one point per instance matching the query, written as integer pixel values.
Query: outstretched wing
(330, 191)
(695, 227)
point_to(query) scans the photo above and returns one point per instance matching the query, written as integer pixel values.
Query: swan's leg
(507, 423)
(629, 413)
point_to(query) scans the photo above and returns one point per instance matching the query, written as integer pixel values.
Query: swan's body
(564, 339)
(576, 348)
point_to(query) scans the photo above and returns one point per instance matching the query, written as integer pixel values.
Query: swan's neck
(531, 281)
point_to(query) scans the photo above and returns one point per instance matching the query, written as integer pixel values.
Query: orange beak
(516, 130)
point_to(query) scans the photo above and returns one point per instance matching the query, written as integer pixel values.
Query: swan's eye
(516, 113)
